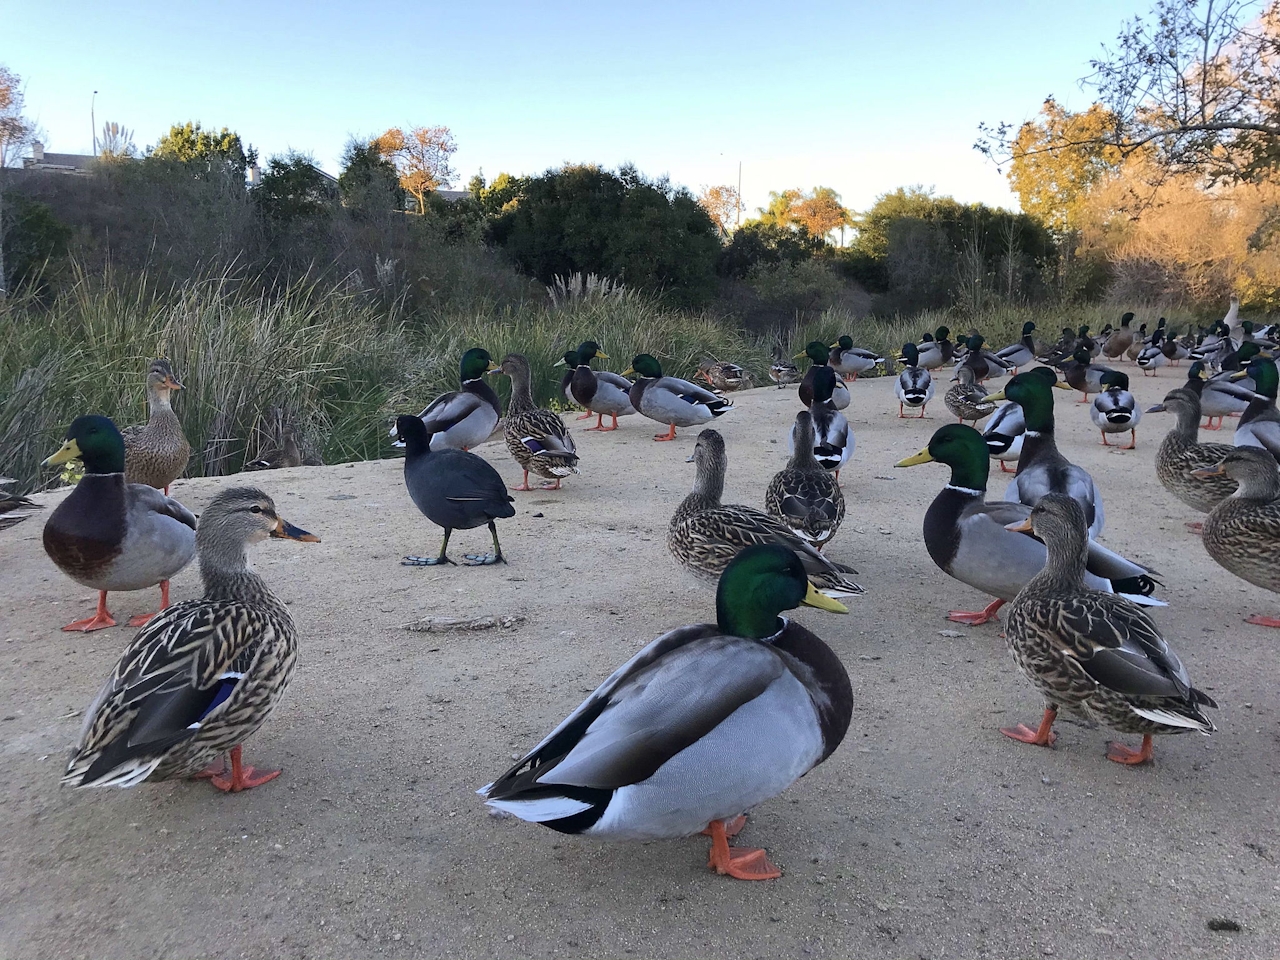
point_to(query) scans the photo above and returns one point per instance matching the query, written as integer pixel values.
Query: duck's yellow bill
(995, 396)
(1022, 526)
(602, 355)
(284, 530)
(493, 366)
(799, 356)
(834, 345)
(70, 450)
(1239, 375)
(1057, 385)
(916, 459)
(627, 372)
(815, 598)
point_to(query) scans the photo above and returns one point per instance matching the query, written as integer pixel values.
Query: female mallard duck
(817, 351)
(1041, 468)
(202, 676)
(454, 489)
(1093, 653)
(804, 495)
(598, 391)
(1181, 454)
(465, 418)
(671, 400)
(849, 361)
(915, 384)
(1138, 345)
(13, 506)
(967, 537)
(968, 399)
(1120, 340)
(109, 534)
(1242, 533)
(1081, 374)
(537, 439)
(156, 452)
(722, 375)
(700, 726)
(1260, 423)
(705, 534)
(833, 442)
(1115, 410)
(1023, 352)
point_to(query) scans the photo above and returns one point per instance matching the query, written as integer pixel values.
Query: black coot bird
(454, 489)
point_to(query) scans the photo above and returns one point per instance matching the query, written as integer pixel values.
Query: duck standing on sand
(1120, 340)
(968, 399)
(109, 534)
(537, 439)
(703, 724)
(598, 391)
(671, 400)
(203, 675)
(156, 452)
(833, 441)
(804, 495)
(915, 384)
(849, 361)
(818, 353)
(1023, 352)
(1115, 410)
(1092, 653)
(464, 418)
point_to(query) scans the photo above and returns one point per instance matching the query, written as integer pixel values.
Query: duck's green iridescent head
(910, 354)
(927, 338)
(646, 366)
(1247, 326)
(1115, 378)
(1263, 372)
(844, 343)
(942, 333)
(817, 351)
(588, 350)
(1049, 374)
(975, 342)
(476, 362)
(1034, 394)
(95, 441)
(1083, 331)
(1196, 372)
(1248, 350)
(1160, 325)
(1082, 355)
(960, 447)
(1126, 319)
(571, 359)
(1027, 327)
(760, 583)
(824, 384)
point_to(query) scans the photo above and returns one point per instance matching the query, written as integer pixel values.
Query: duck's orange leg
(101, 618)
(1262, 621)
(599, 423)
(142, 618)
(1122, 754)
(731, 828)
(669, 435)
(1133, 441)
(740, 863)
(242, 777)
(525, 485)
(1043, 737)
(973, 619)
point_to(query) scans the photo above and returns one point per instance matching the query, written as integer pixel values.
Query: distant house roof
(77, 163)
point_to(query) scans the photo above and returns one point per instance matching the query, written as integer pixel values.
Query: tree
(203, 150)
(421, 157)
(1197, 82)
(369, 184)
(723, 206)
(820, 212)
(781, 209)
(292, 188)
(16, 131)
(116, 143)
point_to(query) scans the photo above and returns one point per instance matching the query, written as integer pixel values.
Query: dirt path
(927, 834)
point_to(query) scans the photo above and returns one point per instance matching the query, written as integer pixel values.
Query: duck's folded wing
(450, 409)
(544, 432)
(690, 392)
(616, 379)
(149, 498)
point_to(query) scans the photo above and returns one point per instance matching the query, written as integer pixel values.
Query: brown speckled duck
(156, 452)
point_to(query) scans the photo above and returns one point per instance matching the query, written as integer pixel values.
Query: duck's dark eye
(255, 509)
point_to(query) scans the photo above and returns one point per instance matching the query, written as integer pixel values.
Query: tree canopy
(191, 144)
(421, 156)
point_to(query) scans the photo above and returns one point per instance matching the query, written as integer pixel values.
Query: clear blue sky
(860, 96)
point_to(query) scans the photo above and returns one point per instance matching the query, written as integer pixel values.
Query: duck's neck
(226, 575)
(803, 459)
(158, 402)
(1262, 486)
(970, 476)
(521, 394)
(708, 488)
(1065, 567)
(1187, 423)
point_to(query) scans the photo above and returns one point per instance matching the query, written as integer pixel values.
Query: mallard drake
(1242, 532)
(982, 361)
(1151, 357)
(1219, 397)
(1023, 352)
(1093, 653)
(598, 391)
(156, 452)
(13, 506)
(849, 361)
(1081, 374)
(818, 352)
(464, 418)
(1041, 468)
(804, 495)
(967, 536)
(915, 384)
(671, 400)
(112, 535)
(1260, 423)
(1120, 340)
(968, 399)
(1115, 410)
(537, 439)
(722, 375)
(834, 442)
(705, 534)
(1181, 454)
(1173, 349)
(700, 726)
(454, 489)
(936, 348)
(1061, 350)
(203, 675)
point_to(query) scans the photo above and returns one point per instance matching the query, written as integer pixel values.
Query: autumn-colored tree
(16, 131)
(781, 209)
(723, 206)
(1057, 158)
(421, 156)
(820, 212)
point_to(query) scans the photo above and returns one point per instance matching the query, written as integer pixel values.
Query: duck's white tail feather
(1171, 719)
(542, 809)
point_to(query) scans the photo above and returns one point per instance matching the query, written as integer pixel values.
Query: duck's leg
(1043, 737)
(669, 435)
(432, 561)
(166, 489)
(1259, 620)
(740, 863)
(1084, 397)
(922, 409)
(549, 486)
(1122, 754)
(1104, 438)
(1133, 440)
(242, 776)
(525, 485)
(216, 769)
(973, 619)
(901, 415)
(142, 618)
(585, 416)
(100, 619)
(731, 827)
(599, 423)
(487, 559)
(1004, 468)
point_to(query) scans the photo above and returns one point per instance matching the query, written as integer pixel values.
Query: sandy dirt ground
(927, 834)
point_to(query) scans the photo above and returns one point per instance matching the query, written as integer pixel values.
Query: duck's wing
(543, 432)
(1263, 432)
(144, 498)
(179, 668)
(688, 392)
(617, 380)
(449, 410)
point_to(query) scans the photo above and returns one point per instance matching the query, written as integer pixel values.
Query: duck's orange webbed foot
(1122, 754)
(741, 863)
(1043, 737)
(242, 777)
(670, 435)
(100, 620)
(974, 618)
(1263, 621)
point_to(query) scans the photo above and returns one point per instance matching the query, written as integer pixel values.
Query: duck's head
(817, 351)
(1160, 324)
(1059, 521)
(571, 359)
(1034, 394)
(1082, 355)
(245, 515)
(1177, 402)
(514, 365)
(1126, 319)
(95, 441)
(1246, 326)
(1196, 371)
(1083, 331)
(927, 338)
(1115, 379)
(1049, 375)
(1253, 468)
(645, 366)
(759, 584)
(1263, 372)
(160, 378)
(942, 333)
(476, 362)
(910, 354)
(960, 447)
(824, 384)
(844, 343)
(588, 350)
(1028, 327)
(975, 342)
(1248, 350)
(804, 431)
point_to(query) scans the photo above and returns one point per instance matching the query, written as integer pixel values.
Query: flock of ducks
(707, 720)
